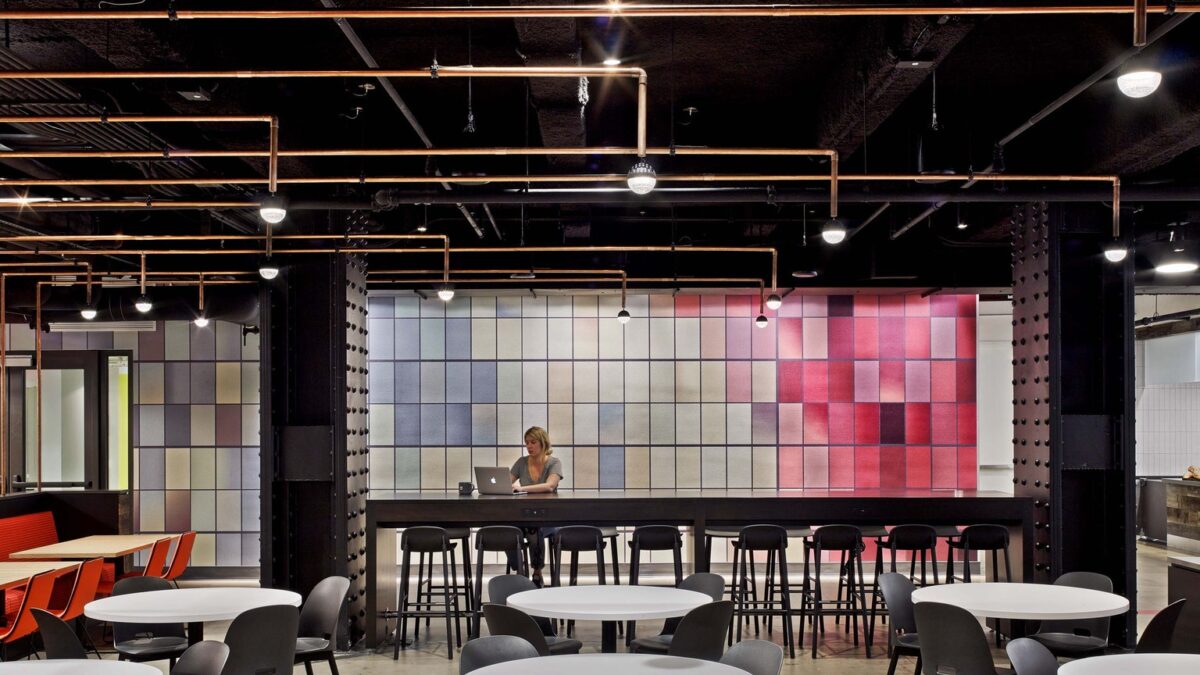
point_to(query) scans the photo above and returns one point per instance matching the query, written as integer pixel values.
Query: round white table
(78, 667)
(607, 664)
(608, 605)
(192, 606)
(1037, 602)
(1124, 664)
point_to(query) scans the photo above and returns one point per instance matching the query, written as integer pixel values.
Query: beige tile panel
(203, 424)
(764, 470)
(637, 467)
(587, 470)
(662, 467)
(433, 469)
(229, 382)
(687, 467)
(739, 467)
(560, 376)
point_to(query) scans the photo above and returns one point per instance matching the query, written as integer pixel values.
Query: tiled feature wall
(1168, 428)
(845, 391)
(195, 431)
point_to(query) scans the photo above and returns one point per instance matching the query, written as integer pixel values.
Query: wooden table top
(95, 546)
(19, 573)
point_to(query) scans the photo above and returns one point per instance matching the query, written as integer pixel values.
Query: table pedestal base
(608, 637)
(195, 631)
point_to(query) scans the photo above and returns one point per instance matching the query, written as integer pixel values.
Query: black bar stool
(869, 532)
(918, 541)
(456, 535)
(847, 541)
(773, 540)
(501, 539)
(424, 541)
(653, 538)
(993, 538)
(610, 535)
(575, 539)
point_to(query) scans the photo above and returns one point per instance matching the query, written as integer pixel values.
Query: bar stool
(847, 541)
(575, 539)
(426, 540)
(653, 538)
(916, 540)
(456, 535)
(772, 540)
(501, 539)
(610, 535)
(983, 538)
(876, 532)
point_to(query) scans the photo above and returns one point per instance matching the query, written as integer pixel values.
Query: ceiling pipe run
(272, 122)
(432, 72)
(585, 11)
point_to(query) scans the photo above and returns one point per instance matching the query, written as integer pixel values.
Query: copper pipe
(32, 238)
(833, 185)
(38, 358)
(585, 11)
(200, 301)
(143, 277)
(1139, 23)
(3, 385)
(43, 264)
(160, 283)
(432, 72)
(168, 153)
(632, 280)
(1116, 207)
(128, 205)
(273, 136)
(519, 270)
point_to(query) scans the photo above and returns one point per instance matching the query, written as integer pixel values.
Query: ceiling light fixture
(623, 316)
(612, 62)
(1138, 79)
(804, 274)
(962, 225)
(641, 178)
(530, 275)
(774, 301)
(272, 208)
(143, 304)
(761, 321)
(1115, 251)
(88, 311)
(268, 270)
(201, 320)
(834, 231)
(445, 293)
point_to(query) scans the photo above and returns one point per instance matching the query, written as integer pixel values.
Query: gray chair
(58, 638)
(203, 658)
(499, 588)
(318, 623)
(952, 641)
(700, 634)
(493, 649)
(140, 642)
(1031, 657)
(1077, 637)
(712, 585)
(1160, 632)
(757, 657)
(897, 590)
(262, 641)
(504, 620)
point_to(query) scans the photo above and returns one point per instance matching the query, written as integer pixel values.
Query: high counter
(697, 509)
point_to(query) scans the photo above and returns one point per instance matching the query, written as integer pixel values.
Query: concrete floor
(836, 653)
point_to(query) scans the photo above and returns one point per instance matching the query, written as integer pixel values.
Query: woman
(536, 471)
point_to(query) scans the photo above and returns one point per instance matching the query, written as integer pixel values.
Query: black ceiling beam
(554, 42)
(876, 76)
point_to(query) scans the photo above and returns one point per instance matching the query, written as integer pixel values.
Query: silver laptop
(494, 480)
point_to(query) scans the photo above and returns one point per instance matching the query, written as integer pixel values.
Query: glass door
(61, 463)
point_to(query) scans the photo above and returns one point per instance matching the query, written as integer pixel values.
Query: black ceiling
(729, 82)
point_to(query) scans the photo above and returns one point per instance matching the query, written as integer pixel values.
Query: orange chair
(156, 564)
(37, 596)
(85, 589)
(183, 554)
(87, 582)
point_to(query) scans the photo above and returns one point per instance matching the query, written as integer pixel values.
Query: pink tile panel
(738, 386)
(712, 305)
(791, 338)
(687, 305)
(816, 467)
(791, 467)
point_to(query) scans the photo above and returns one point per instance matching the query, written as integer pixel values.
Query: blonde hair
(539, 434)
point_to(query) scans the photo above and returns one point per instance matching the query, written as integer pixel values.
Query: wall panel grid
(194, 431)
(837, 391)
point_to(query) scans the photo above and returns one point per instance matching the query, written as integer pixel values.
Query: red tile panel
(891, 305)
(741, 305)
(893, 466)
(916, 338)
(945, 466)
(791, 381)
(966, 424)
(866, 305)
(841, 337)
(964, 329)
(891, 381)
(943, 380)
(968, 467)
(816, 381)
(816, 423)
(866, 423)
(866, 338)
(964, 373)
(841, 380)
(841, 466)
(866, 466)
(944, 423)
(841, 423)
(918, 470)
(915, 305)
(916, 423)
(791, 341)
(687, 305)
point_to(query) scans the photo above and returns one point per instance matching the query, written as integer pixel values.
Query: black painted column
(1073, 395)
(314, 451)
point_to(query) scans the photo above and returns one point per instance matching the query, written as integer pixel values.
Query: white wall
(994, 394)
(1167, 431)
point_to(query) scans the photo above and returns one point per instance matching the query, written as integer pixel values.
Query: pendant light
(88, 311)
(1115, 251)
(143, 304)
(761, 320)
(623, 316)
(272, 208)
(1138, 78)
(933, 146)
(201, 320)
(641, 179)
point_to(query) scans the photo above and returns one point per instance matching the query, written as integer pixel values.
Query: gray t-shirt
(520, 469)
